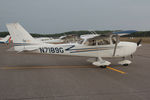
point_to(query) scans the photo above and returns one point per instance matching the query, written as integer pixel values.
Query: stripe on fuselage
(89, 49)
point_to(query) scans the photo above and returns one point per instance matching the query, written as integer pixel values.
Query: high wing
(127, 32)
(101, 36)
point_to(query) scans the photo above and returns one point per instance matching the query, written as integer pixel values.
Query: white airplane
(97, 47)
(6, 39)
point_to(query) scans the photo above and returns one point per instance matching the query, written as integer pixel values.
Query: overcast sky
(55, 16)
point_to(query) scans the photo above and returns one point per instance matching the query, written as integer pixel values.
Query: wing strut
(117, 40)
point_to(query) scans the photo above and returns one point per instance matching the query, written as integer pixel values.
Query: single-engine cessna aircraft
(6, 39)
(97, 47)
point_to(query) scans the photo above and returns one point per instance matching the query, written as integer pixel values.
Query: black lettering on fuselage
(51, 50)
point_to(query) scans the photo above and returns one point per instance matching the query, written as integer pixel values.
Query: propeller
(116, 43)
(139, 42)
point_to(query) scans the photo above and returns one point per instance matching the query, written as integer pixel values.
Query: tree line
(78, 33)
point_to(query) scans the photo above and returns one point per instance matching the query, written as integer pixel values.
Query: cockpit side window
(103, 41)
(91, 43)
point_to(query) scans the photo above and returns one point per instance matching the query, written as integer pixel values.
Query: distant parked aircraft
(6, 39)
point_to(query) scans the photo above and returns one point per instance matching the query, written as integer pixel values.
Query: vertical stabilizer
(19, 34)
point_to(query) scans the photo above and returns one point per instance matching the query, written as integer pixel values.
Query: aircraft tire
(125, 64)
(103, 66)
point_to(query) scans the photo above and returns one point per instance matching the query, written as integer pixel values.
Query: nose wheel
(125, 62)
(102, 66)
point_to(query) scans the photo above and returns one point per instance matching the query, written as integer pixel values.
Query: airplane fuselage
(123, 49)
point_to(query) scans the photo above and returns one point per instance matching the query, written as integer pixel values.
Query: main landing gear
(101, 63)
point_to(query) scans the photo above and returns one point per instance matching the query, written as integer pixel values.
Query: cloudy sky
(55, 16)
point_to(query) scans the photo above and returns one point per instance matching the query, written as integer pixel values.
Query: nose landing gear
(125, 62)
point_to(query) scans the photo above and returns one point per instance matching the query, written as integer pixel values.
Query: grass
(136, 39)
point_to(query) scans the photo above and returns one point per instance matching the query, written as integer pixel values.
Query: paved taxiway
(50, 77)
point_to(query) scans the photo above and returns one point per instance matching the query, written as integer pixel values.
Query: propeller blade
(139, 42)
